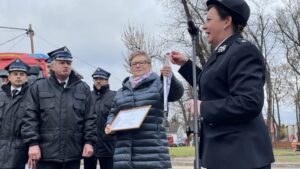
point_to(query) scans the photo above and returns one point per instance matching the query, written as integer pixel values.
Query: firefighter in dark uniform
(231, 92)
(13, 152)
(59, 124)
(103, 99)
(48, 63)
(4, 77)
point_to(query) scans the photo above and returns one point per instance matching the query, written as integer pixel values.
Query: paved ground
(189, 167)
(187, 163)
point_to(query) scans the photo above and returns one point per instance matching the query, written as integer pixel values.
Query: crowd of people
(54, 122)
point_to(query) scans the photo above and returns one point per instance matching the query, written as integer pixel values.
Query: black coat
(59, 120)
(13, 152)
(103, 100)
(234, 134)
(146, 147)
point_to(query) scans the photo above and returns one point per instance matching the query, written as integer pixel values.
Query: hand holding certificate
(129, 119)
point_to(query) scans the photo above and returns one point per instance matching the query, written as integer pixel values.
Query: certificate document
(130, 118)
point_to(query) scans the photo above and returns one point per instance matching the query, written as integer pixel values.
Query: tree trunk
(297, 99)
(186, 116)
(297, 118)
(279, 120)
(269, 101)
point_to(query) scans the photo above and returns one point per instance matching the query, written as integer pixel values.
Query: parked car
(182, 144)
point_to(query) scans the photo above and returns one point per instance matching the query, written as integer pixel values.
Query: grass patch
(182, 151)
(287, 159)
(281, 155)
(283, 152)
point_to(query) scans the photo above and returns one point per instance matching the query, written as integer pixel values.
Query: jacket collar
(222, 48)
(102, 90)
(72, 79)
(126, 82)
(7, 88)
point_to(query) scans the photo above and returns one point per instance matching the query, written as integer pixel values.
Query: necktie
(62, 84)
(14, 93)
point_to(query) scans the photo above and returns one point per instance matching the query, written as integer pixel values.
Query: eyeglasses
(142, 63)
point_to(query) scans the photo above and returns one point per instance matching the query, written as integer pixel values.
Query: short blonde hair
(138, 53)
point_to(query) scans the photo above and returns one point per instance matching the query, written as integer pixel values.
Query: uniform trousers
(19, 167)
(265, 167)
(59, 165)
(105, 162)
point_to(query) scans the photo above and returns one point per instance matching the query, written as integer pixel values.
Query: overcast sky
(91, 29)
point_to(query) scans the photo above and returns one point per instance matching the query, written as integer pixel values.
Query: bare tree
(288, 22)
(135, 38)
(177, 35)
(294, 94)
(260, 32)
(280, 91)
(297, 106)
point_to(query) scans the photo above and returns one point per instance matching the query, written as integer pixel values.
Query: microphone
(193, 30)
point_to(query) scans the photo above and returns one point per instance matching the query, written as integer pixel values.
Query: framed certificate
(130, 118)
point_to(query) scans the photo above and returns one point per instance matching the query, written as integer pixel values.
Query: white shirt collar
(67, 80)
(18, 88)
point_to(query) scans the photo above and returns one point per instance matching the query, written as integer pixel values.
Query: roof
(7, 58)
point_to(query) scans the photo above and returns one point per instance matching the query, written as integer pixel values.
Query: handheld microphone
(193, 30)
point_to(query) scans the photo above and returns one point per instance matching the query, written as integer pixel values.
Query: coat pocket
(75, 143)
(1, 112)
(1, 108)
(79, 101)
(50, 144)
(46, 100)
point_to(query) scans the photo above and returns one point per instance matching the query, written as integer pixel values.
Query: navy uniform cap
(3, 73)
(61, 54)
(100, 73)
(17, 64)
(239, 9)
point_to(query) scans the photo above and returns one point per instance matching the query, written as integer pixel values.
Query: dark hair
(223, 13)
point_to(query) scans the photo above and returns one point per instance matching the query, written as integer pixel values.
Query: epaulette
(85, 85)
(33, 81)
(241, 40)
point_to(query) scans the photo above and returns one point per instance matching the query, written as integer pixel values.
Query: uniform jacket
(146, 147)
(60, 120)
(234, 134)
(103, 100)
(13, 151)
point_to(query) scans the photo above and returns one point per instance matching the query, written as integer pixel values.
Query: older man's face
(61, 68)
